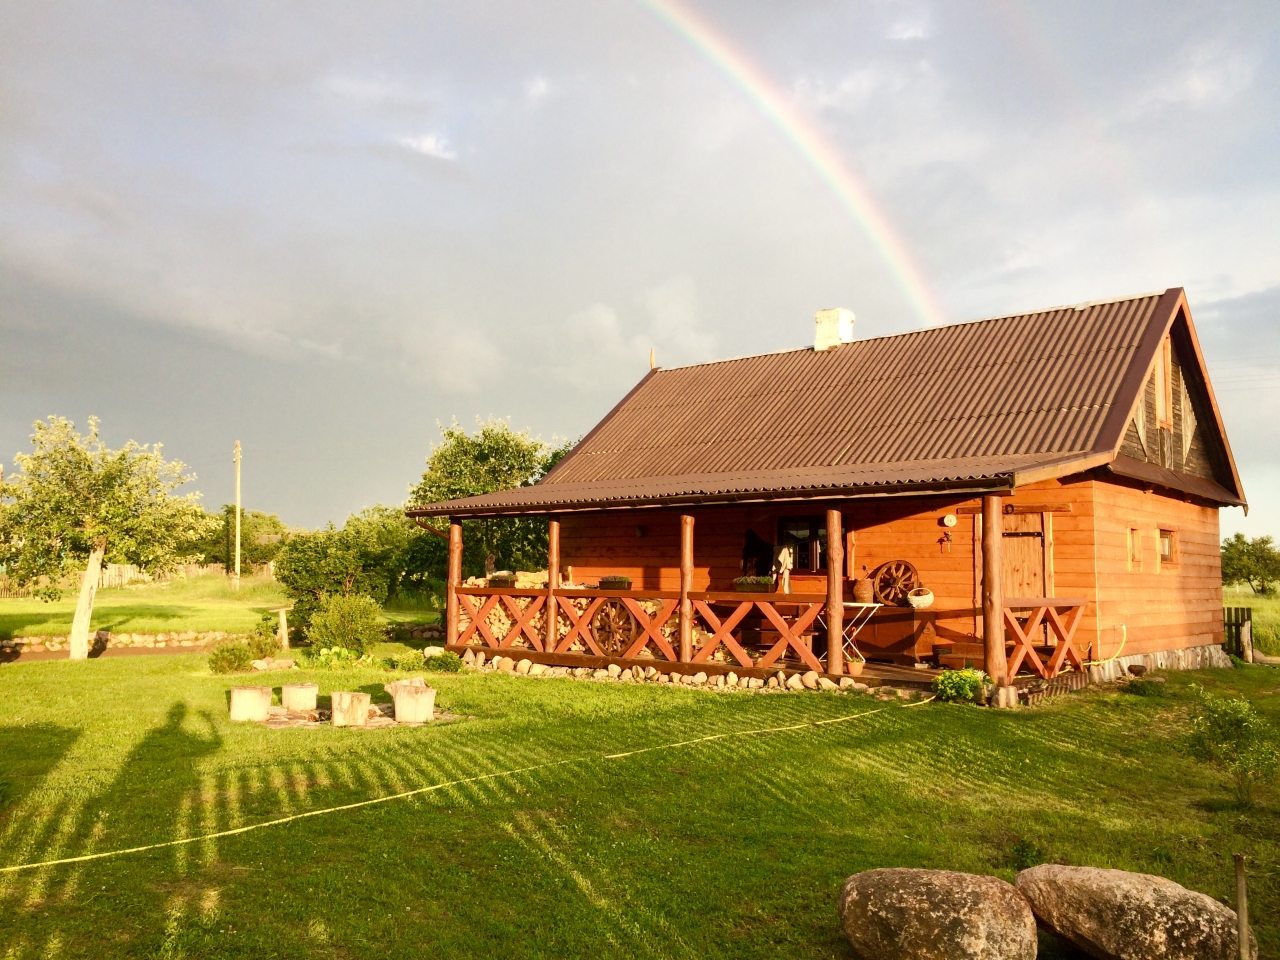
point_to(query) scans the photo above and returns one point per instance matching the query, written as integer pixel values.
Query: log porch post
(455, 580)
(835, 594)
(686, 585)
(551, 635)
(993, 590)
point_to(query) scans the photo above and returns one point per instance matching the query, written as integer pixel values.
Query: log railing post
(553, 583)
(455, 580)
(686, 585)
(835, 593)
(993, 589)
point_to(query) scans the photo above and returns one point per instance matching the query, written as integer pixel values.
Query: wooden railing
(1027, 620)
(632, 624)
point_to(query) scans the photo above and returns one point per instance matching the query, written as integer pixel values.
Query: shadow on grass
(30, 751)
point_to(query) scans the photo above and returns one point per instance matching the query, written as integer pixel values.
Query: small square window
(1168, 547)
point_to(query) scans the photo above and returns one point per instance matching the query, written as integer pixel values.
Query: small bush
(230, 657)
(447, 662)
(1027, 854)
(264, 642)
(350, 623)
(1144, 687)
(959, 684)
(409, 661)
(1230, 734)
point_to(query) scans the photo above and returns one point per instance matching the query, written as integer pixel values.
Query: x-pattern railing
(1023, 618)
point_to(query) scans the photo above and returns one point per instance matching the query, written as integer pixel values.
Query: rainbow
(815, 149)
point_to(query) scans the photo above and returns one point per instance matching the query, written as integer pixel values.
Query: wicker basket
(920, 597)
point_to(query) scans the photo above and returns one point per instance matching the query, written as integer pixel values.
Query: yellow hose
(1124, 635)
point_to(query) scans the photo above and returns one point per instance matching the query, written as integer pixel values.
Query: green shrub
(351, 623)
(409, 661)
(1027, 854)
(615, 582)
(447, 662)
(959, 684)
(230, 657)
(1144, 687)
(1230, 734)
(264, 642)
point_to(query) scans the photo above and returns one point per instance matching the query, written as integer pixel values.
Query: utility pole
(235, 580)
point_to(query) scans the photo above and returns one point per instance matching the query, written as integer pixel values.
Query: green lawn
(1266, 616)
(199, 603)
(733, 847)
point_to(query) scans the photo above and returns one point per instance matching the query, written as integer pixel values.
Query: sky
(324, 231)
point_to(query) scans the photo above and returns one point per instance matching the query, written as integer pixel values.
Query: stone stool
(350, 709)
(250, 703)
(299, 696)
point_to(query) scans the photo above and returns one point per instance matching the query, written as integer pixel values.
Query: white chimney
(834, 327)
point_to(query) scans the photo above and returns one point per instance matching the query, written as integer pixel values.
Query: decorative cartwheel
(892, 581)
(614, 628)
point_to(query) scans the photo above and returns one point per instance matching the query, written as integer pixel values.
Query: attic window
(1164, 385)
(1168, 547)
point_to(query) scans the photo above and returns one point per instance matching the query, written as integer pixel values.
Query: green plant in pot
(502, 580)
(615, 582)
(753, 584)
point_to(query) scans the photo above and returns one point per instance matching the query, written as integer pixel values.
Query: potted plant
(502, 578)
(753, 584)
(615, 582)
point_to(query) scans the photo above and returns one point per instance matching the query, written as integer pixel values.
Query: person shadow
(156, 796)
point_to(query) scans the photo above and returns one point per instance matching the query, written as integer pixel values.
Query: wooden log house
(1052, 478)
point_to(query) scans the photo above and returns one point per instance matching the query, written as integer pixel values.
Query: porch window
(807, 538)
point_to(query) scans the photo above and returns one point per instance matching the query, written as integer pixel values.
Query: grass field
(543, 843)
(199, 603)
(1266, 616)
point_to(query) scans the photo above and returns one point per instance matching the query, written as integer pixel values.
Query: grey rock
(523, 666)
(614, 670)
(698, 678)
(732, 679)
(810, 680)
(1130, 916)
(773, 683)
(825, 684)
(897, 913)
(794, 682)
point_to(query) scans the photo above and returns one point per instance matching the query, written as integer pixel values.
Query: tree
(76, 503)
(261, 537)
(366, 557)
(494, 458)
(1255, 562)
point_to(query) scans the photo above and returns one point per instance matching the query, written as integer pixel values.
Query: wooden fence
(1238, 625)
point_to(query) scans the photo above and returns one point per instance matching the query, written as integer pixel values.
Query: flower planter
(615, 583)
(753, 584)
(502, 581)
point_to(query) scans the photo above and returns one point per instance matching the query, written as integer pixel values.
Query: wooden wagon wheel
(613, 628)
(892, 582)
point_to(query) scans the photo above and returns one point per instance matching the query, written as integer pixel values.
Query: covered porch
(643, 605)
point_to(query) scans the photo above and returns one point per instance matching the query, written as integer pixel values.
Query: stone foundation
(186, 639)
(1207, 657)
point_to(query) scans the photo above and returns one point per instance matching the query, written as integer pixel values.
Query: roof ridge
(1084, 305)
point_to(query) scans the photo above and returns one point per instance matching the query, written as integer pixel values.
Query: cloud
(376, 90)
(536, 89)
(911, 28)
(1210, 78)
(430, 144)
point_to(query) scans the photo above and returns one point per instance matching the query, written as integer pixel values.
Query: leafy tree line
(380, 553)
(76, 504)
(1255, 562)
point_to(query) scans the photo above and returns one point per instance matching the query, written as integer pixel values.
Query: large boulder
(935, 915)
(1117, 915)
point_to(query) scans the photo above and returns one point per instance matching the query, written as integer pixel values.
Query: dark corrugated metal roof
(973, 402)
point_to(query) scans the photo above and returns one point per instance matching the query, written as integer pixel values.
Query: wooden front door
(1024, 555)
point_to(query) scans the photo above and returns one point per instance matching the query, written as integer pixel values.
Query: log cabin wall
(1084, 528)
(1162, 604)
